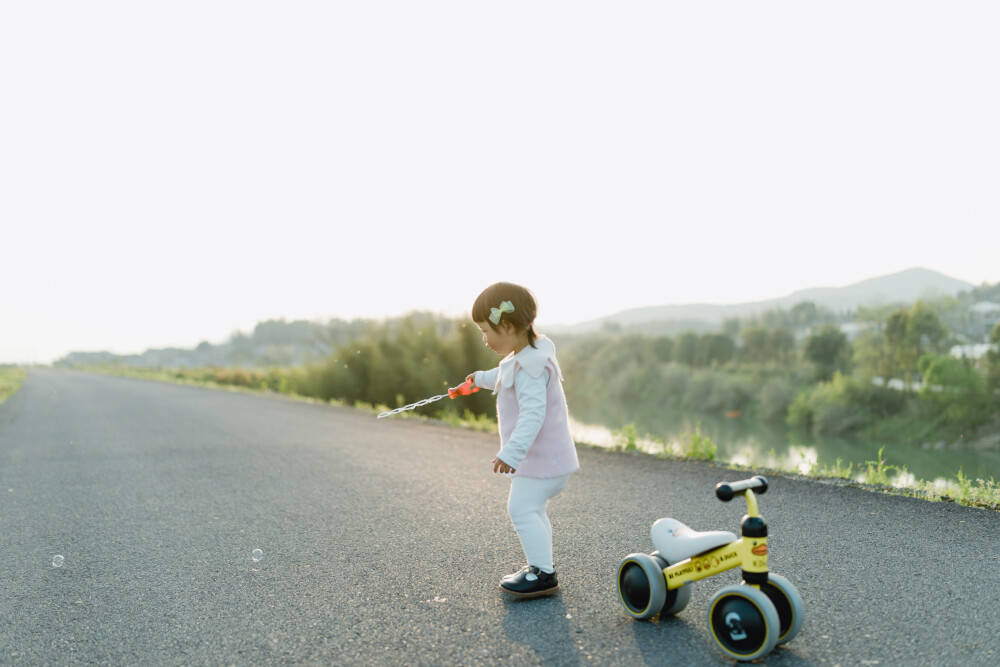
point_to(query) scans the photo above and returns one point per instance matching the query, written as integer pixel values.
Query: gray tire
(743, 622)
(788, 602)
(678, 598)
(641, 587)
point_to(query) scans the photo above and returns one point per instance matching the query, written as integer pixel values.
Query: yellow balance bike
(747, 620)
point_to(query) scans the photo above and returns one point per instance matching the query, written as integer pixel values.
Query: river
(739, 440)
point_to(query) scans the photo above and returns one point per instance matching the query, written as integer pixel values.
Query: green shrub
(801, 410)
(955, 392)
(696, 445)
(673, 386)
(774, 399)
(843, 405)
(626, 439)
(878, 472)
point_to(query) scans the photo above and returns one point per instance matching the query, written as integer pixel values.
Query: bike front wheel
(743, 622)
(788, 602)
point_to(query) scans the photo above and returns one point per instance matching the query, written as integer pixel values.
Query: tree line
(387, 364)
(886, 373)
(892, 378)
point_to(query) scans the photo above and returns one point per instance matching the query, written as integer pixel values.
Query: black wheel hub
(634, 586)
(738, 625)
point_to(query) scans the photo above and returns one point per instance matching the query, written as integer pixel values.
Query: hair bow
(497, 313)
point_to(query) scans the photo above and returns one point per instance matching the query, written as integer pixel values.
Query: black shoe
(520, 573)
(530, 583)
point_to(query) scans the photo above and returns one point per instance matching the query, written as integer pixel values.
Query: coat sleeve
(532, 396)
(487, 379)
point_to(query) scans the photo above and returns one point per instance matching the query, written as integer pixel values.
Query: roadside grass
(874, 475)
(242, 382)
(11, 378)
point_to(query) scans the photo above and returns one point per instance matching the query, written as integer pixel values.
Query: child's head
(489, 308)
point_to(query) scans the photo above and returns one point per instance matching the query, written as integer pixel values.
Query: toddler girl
(536, 445)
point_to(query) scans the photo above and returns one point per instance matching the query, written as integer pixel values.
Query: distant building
(853, 329)
(984, 316)
(975, 351)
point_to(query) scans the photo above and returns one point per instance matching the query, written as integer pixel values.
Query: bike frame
(748, 552)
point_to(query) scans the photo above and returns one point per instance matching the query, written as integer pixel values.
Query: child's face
(503, 341)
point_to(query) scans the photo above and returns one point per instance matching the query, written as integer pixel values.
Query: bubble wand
(463, 389)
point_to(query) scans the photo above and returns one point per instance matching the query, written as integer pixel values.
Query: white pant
(526, 505)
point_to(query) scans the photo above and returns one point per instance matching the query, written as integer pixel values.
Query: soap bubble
(257, 555)
(57, 561)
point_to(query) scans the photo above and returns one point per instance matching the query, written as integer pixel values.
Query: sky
(173, 172)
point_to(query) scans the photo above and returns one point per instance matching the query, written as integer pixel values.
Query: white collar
(532, 360)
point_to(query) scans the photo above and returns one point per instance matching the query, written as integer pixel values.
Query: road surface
(384, 540)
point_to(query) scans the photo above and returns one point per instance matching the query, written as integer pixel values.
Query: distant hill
(903, 287)
(272, 343)
(281, 343)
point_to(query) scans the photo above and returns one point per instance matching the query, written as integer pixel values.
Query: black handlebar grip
(725, 491)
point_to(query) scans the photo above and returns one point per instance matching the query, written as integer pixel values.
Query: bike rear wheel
(641, 587)
(677, 598)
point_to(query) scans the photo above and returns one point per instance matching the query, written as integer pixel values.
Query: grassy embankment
(876, 475)
(11, 378)
(274, 381)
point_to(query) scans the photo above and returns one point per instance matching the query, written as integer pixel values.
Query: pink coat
(550, 450)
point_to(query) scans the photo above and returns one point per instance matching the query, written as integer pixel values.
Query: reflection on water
(758, 445)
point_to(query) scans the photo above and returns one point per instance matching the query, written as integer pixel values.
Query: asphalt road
(384, 542)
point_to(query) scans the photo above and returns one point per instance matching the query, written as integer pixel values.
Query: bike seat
(676, 542)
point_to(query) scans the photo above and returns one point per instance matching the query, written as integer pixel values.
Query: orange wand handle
(463, 389)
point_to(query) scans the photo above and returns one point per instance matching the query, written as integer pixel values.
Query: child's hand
(501, 467)
(464, 389)
(471, 376)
